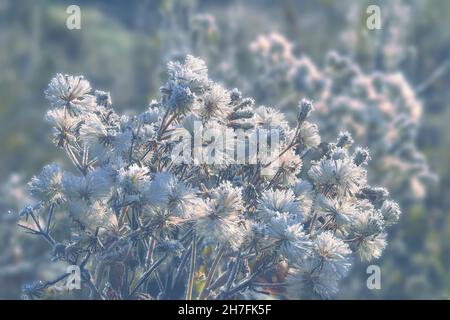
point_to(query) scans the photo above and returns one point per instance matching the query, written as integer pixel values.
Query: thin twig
(192, 268)
(211, 272)
(49, 218)
(184, 259)
(438, 73)
(148, 273)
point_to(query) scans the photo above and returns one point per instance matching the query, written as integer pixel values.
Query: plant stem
(232, 275)
(47, 237)
(49, 218)
(211, 272)
(192, 268)
(242, 285)
(148, 273)
(181, 266)
(149, 259)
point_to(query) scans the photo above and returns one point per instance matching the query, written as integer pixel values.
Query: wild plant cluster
(18, 253)
(379, 109)
(140, 224)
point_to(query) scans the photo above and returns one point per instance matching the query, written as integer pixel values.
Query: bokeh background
(276, 51)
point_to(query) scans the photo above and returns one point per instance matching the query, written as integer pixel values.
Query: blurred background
(388, 86)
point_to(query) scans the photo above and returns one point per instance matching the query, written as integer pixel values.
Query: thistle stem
(211, 272)
(181, 266)
(192, 268)
(148, 273)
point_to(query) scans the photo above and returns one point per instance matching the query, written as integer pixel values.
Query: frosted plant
(142, 224)
(380, 110)
(279, 72)
(21, 258)
(71, 92)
